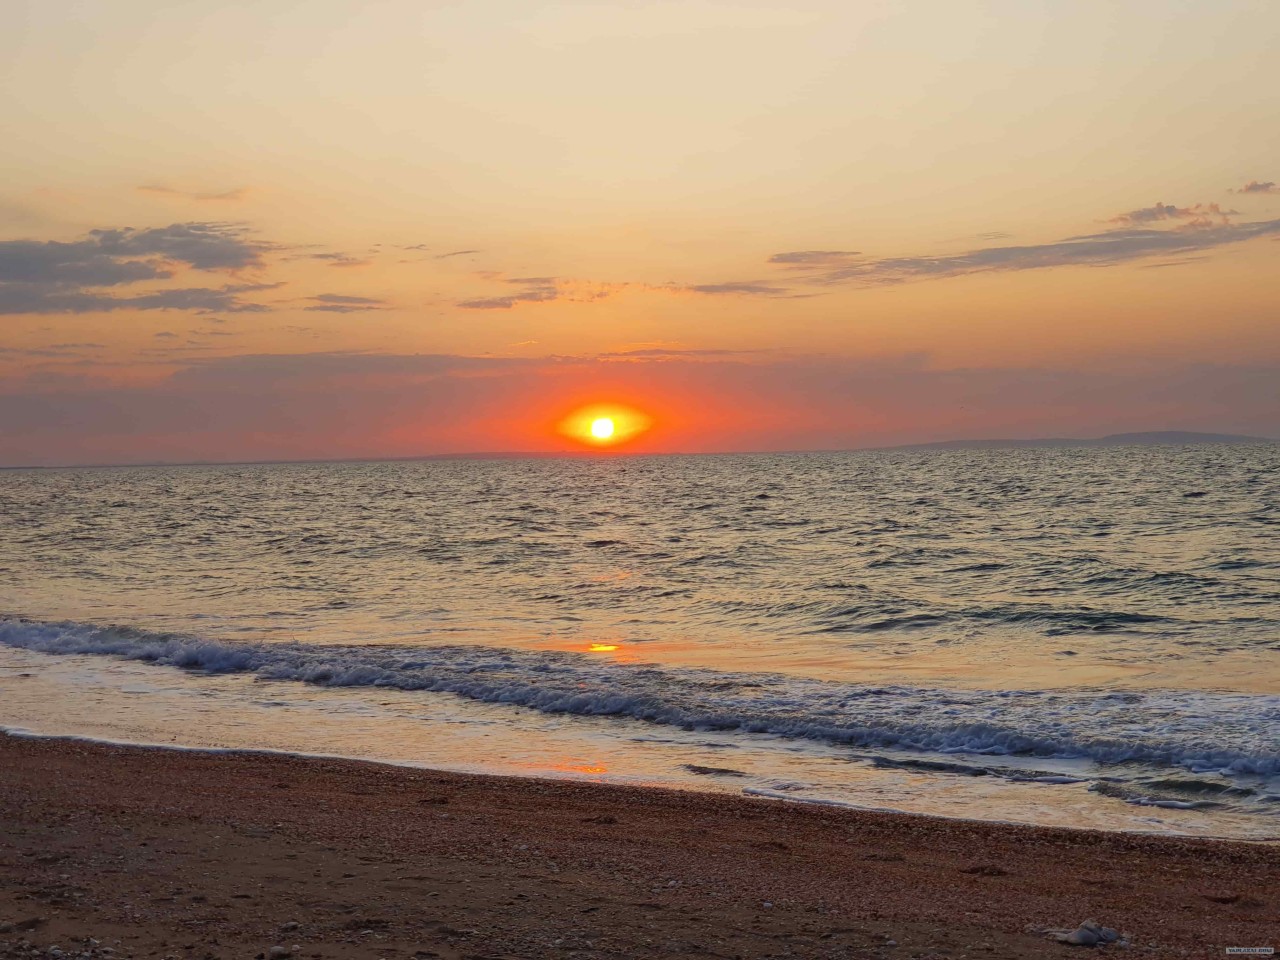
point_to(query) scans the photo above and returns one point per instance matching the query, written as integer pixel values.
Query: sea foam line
(1231, 734)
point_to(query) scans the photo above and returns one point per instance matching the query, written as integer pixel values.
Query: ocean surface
(1086, 637)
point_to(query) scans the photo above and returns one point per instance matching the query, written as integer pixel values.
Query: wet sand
(158, 853)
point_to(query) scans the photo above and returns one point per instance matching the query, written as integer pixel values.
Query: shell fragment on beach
(1088, 934)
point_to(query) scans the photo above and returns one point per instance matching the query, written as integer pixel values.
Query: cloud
(1161, 211)
(536, 290)
(1180, 262)
(446, 256)
(1255, 186)
(226, 196)
(741, 287)
(1098, 250)
(543, 290)
(547, 289)
(1200, 215)
(814, 258)
(340, 303)
(339, 260)
(20, 298)
(77, 276)
(52, 351)
(80, 263)
(205, 246)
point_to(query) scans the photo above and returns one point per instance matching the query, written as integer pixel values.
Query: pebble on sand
(1088, 934)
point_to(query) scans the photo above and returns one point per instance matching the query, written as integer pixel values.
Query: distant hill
(1150, 438)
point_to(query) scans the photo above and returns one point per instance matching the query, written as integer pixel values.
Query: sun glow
(603, 425)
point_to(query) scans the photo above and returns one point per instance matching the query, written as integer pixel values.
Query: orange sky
(334, 229)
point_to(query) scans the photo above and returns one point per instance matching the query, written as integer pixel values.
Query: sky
(276, 230)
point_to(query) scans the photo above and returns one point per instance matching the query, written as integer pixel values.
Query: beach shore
(165, 853)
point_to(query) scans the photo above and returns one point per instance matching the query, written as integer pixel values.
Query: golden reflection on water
(578, 766)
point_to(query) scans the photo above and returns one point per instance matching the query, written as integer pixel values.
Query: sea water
(1083, 637)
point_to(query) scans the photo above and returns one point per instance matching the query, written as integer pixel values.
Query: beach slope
(162, 853)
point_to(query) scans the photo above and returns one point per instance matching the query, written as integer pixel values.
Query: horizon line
(926, 446)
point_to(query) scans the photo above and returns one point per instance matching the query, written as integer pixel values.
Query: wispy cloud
(1097, 249)
(339, 260)
(814, 258)
(543, 290)
(341, 303)
(1199, 215)
(52, 351)
(534, 290)
(16, 298)
(225, 196)
(1258, 186)
(446, 256)
(739, 288)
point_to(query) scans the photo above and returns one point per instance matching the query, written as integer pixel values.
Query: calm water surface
(1073, 636)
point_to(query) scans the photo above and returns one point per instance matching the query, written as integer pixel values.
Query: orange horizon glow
(604, 424)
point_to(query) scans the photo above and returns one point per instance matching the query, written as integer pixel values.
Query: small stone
(768, 905)
(1082, 937)
(278, 953)
(291, 925)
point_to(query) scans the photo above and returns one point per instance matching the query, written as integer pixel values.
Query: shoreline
(22, 733)
(382, 860)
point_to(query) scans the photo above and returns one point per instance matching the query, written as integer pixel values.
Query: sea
(1074, 637)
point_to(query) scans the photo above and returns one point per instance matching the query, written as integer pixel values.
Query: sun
(604, 424)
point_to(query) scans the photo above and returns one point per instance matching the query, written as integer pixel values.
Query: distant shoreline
(1169, 438)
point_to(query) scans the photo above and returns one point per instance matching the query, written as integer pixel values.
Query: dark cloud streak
(1097, 249)
(342, 303)
(739, 287)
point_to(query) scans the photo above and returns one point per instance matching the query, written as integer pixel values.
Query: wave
(1228, 734)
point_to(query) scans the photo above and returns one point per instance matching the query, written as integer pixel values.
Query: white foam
(1231, 734)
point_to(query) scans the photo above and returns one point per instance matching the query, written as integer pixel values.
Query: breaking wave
(1228, 734)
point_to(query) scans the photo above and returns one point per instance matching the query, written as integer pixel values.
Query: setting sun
(604, 424)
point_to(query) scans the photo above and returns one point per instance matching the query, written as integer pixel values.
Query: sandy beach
(161, 853)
